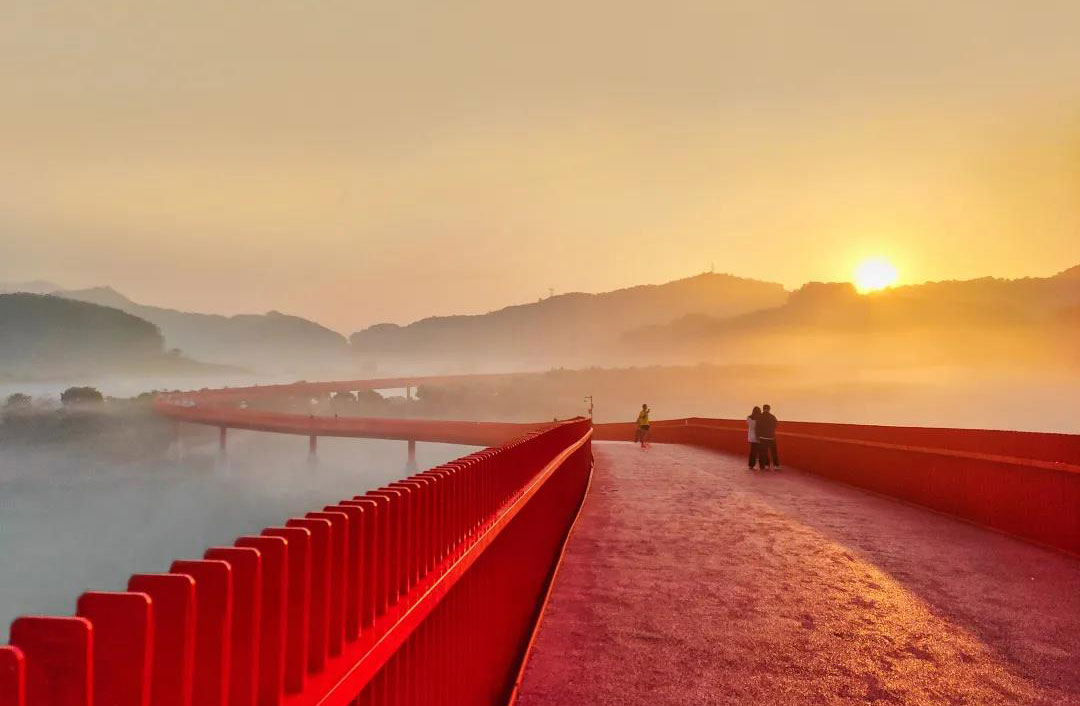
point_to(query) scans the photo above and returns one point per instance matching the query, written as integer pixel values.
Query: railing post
(173, 601)
(298, 603)
(246, 566)
(213, 628)
(59, 659)
(123, 632)
(321, 553)
(274, 553)
(12, 676)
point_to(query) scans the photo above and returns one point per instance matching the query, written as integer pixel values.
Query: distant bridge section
(222, 408)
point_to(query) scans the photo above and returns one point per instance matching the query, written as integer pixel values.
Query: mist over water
(72, 521)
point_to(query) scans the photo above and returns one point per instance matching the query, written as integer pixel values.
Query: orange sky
(357, 162)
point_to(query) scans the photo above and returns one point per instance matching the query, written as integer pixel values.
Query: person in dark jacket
(766, 434)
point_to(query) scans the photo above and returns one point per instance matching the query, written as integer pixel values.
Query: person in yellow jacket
(642, 435)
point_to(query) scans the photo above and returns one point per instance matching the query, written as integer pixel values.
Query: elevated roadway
(227, 409)
(689, 579)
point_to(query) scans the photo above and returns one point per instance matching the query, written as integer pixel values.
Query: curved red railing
(1022, 483)
(421, 592)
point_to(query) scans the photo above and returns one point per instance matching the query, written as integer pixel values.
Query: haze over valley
(892, 355)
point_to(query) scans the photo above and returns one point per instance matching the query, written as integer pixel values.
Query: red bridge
(225, 409)
(671, 575)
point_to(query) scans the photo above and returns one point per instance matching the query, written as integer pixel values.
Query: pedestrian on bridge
(766, 434)
(643, 426)
(751, 436)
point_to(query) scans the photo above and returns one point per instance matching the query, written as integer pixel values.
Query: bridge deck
(689, 580)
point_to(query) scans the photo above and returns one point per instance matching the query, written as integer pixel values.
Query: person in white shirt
(751, 436)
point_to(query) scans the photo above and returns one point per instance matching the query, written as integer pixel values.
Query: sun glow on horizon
(874, 274)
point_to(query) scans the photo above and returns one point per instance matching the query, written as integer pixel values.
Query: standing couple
(761, 433)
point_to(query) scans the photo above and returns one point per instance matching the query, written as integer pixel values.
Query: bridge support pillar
(410, 464)
(313, 445)
(222, 436)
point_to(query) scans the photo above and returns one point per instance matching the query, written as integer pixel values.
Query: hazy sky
(358, 162)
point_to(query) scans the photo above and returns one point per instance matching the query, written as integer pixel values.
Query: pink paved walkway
(689, 580)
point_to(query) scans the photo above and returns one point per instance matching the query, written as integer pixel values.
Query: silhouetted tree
(342, 401)
(81, 395)
(369, 397)
(18, 401)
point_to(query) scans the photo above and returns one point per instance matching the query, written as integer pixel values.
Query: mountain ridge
(266, 341)
(984, 318)
(47, 336)
(575, 319)
(689, 316)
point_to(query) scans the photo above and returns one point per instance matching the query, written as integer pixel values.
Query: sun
(875, 273)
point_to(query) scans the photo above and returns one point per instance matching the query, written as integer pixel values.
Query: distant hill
(1071, 273)
(568, 327)
(44, 336)
(37, 286)
(271, 341)
(977, 318)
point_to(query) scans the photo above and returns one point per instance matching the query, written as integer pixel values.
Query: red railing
(1022, 483)
(422, 592)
